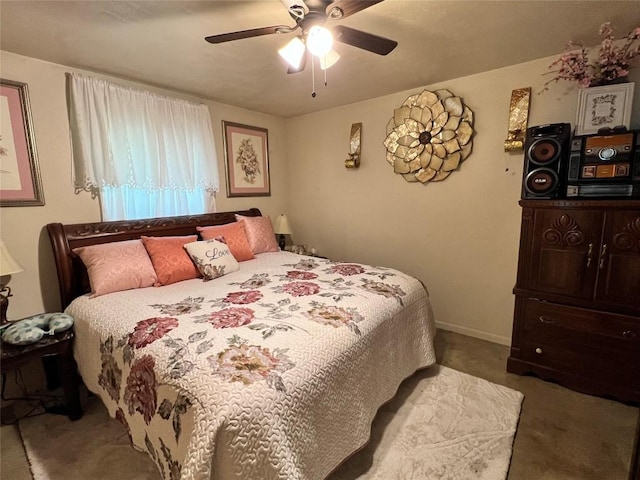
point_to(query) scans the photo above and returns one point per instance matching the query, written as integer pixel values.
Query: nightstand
(13, 356)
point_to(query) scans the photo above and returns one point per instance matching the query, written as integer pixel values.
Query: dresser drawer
(591, 363)
(550, 322)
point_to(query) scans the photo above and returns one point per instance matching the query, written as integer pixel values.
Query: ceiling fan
(310, 17)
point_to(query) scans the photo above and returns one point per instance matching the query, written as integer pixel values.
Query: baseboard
(471, 332)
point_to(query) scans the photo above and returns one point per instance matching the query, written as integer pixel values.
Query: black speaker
(546, 155)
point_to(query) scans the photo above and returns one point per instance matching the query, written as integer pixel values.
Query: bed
(273, 371)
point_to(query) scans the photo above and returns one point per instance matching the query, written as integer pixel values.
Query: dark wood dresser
(577, 308)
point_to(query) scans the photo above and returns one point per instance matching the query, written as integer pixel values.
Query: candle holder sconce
(354, 146)
(518, 119)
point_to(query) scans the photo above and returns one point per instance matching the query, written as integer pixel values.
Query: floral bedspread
(275, 371)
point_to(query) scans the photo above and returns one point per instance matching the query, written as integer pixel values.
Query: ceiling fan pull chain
(325, 71)
(313, 78)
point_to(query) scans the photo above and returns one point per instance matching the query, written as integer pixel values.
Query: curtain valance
(127, 137)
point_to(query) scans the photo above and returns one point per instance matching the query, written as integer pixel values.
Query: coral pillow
(213, 258)
(117, 266)
(235, 236)
(260, 234)
(170, 261)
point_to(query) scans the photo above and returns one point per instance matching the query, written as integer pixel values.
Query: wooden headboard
(72, 274)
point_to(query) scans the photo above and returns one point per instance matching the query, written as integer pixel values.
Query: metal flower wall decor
(429, 136)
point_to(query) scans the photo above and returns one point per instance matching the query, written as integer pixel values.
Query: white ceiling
(162, 43)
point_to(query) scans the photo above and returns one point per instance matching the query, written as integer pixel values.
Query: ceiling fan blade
(348, 7)
(303, 64)
(366, 41)
(254, 32)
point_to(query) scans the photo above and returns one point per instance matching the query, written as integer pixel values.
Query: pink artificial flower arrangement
(612, 63)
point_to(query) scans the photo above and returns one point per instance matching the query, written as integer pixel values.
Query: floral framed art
(20, 183)
(604, 107)
(246, 155)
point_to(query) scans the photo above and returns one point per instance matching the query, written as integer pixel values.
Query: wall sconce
(8, 266)
(354, 146)
(518, 119)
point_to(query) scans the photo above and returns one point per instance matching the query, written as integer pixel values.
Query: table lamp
(8, 266)
(281, 227)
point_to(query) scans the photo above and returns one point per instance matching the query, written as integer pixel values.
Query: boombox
(606, 164)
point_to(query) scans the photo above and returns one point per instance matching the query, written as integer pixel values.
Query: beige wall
(459, 236)
(23, 228)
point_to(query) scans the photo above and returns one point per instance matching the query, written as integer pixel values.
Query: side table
(13, 356)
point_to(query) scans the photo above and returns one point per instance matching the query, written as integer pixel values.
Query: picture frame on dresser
(607, 106)
(20, 183)
(246, 158)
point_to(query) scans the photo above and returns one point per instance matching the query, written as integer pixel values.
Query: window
(146, 155)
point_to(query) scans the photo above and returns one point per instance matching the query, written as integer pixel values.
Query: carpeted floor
(562, 434)
(92, 448)
(442, 424)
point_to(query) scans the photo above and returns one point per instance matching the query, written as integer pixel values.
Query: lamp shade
(8, 264)
(329, 60)
(319, 40)
(281, 225)
(293, 52)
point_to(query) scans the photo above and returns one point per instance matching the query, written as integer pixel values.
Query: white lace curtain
(148, 155)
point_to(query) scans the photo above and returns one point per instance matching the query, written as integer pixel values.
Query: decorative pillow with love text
(212, 257)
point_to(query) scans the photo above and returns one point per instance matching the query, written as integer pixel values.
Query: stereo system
(606, 164)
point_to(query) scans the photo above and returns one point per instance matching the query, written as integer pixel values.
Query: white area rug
(442, 424)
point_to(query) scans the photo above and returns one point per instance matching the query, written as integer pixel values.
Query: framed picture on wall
(20, 183)
(246, 157)
(599, 107)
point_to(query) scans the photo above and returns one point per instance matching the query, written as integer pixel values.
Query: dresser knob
(629, 334)
(539, 351)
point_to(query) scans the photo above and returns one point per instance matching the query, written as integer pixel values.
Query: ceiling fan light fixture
(293, 52)
(319, 40)
(329, 60)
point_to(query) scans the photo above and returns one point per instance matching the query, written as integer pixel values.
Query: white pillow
(212, 257)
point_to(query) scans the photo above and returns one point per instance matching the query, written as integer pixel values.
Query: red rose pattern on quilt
(213, 335)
